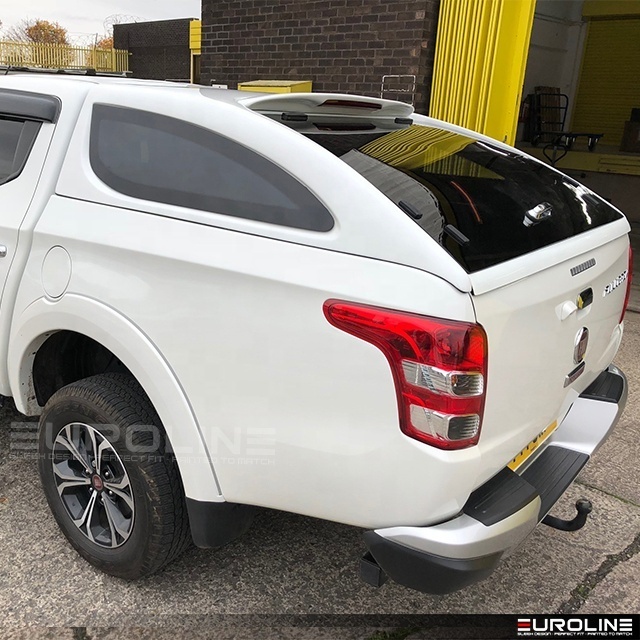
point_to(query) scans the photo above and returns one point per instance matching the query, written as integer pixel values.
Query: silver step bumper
(503, 512)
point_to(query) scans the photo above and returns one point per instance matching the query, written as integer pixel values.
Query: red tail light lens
(439, 368)
(627, 295)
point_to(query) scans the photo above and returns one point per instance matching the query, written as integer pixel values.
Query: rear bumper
(500, 514)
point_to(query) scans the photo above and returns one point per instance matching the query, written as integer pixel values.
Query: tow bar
(583, 507)
(371, 572)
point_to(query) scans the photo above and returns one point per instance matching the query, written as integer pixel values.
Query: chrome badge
(582, 339)
(615, 283)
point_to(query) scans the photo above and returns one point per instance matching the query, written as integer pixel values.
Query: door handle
(3, 251)
(565, 309)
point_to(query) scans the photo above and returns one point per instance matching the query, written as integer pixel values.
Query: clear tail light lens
(439, 369)
(453, 383)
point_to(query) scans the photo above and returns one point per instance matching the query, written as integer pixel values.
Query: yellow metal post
(481, 57)
(195, 36)
(195, 46)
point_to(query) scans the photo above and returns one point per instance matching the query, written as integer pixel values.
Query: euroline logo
(591, 626)
(524, 626)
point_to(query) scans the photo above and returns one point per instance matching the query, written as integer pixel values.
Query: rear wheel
(110, 482)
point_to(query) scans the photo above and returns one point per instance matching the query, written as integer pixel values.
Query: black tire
(114, 405)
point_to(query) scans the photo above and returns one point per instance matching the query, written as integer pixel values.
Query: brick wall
(341, 45)
(159, 50)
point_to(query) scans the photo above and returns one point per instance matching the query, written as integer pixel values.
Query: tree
(49, 32)
(105, 43)
(38, 31)
(100, 57)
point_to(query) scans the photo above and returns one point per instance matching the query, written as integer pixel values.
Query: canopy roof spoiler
(327, 104)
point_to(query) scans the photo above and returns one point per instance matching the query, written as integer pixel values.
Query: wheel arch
(134, 349)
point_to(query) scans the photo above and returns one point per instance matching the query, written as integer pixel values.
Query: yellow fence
(57, 56)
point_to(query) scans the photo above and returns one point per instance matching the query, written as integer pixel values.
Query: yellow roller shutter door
(610, 79)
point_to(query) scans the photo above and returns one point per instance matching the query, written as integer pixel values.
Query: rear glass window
(153, 157)
(16, 140)
(483, 204)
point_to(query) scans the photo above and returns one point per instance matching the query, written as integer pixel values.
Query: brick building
(340, 45)
(158, 50)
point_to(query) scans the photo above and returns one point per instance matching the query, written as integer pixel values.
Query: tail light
(439, 369)
(629, 276)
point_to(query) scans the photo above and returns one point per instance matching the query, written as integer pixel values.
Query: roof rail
(7, 69)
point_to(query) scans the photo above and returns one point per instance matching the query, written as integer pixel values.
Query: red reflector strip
(627, 295)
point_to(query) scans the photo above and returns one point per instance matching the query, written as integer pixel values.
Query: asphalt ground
(289, 565)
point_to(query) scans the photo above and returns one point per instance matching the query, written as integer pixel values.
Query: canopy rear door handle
(569, 307)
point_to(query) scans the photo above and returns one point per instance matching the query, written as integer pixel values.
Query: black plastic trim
(500, 497)
(607, 387)
(214, 524)
(371, 572)
(507, 492)
(552, 473)
(12, 69)
(29, 106)
(427, 572)
(293, 116)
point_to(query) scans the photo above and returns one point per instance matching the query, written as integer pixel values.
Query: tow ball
(583, 507)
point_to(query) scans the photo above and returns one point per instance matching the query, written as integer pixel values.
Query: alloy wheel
(93, 485)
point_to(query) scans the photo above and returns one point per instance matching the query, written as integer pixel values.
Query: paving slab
(634, 236)
(235, 630)
(618, 592)
(285, 564)
(614, 468)
(34, 633)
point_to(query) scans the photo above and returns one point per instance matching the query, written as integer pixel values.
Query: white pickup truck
(319, 303)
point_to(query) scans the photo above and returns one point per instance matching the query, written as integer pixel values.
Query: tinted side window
(16, 139)
(154, 157)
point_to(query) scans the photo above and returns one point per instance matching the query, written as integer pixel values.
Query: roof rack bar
(6, 69)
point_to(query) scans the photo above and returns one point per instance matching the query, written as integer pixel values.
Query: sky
(87, 17)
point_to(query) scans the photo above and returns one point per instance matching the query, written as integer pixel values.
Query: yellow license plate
(532, 446)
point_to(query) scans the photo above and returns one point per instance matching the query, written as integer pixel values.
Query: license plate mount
(533, 446)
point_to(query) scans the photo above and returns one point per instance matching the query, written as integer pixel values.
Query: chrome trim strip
(574, 375)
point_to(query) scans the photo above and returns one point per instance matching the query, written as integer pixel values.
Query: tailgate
(550, 335)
